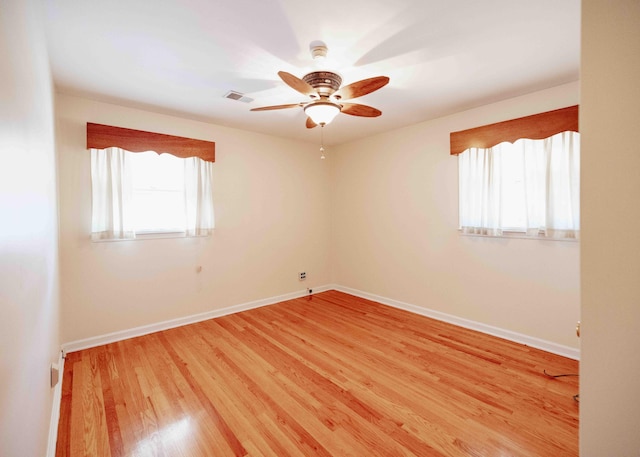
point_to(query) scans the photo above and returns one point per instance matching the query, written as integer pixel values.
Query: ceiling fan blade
(310, 123)
(296, 83)
(269, 108)
(360, 88)
(355, 109)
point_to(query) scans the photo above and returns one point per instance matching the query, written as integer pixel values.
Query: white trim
(517, 235)
(538, 343)
(87, 343)
(142, 236)
(55, 410)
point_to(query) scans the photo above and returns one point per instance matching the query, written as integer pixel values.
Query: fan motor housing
(325, 82)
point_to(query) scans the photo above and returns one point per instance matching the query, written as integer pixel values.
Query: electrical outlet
(302, 276)
(55, 374)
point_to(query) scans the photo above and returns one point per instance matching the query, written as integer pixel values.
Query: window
(144, 193)
(530, 186)
(158, 197)
(138, 192)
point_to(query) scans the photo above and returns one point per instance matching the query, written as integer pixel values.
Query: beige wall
(272, 220)
(394, 234)
(29, 304)
(395, 213)
(610, 266)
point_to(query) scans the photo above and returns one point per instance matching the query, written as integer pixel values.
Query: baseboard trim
(100, 340)
(548, 346)
(538, 343)
(55, 410)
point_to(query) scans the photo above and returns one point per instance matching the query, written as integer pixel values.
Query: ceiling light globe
(318, 50)
(322, 112)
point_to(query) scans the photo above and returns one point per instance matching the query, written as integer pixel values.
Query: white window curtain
(198, 194)
(552, 185)
(550, 180)
(480, 182)
(112, 196)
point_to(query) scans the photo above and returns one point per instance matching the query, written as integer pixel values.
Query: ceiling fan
(326, 95)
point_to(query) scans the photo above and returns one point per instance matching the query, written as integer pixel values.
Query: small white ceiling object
(182, 57)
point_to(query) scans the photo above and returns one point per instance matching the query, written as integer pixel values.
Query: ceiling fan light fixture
(318, 50)
(322, 112)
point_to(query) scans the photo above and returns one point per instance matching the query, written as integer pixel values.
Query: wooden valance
(535, 127)
(105, 136)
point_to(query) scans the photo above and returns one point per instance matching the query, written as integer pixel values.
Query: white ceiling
(181, 56)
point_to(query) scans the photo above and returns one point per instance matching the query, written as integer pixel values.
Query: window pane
(158, 210)
(512, 191)
(158, 192)
(153, 171)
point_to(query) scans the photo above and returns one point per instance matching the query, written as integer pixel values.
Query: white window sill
(518, 235)
(141, 236)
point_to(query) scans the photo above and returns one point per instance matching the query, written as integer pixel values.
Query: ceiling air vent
(233, 95)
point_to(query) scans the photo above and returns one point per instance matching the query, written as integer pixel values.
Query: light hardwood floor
(328, 375)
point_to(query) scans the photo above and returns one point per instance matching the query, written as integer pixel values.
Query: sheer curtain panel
(480, 182)
(198, 196)
(111, 195)
(562, 155)
(546, 173)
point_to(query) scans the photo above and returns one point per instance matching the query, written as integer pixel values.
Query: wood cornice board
(101, 136)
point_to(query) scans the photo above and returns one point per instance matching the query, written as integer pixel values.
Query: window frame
(100, 136)
(537, 127)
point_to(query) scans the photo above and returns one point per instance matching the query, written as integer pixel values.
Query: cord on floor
(576, 397)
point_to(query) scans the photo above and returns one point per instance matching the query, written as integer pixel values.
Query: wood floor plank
(327, 375)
